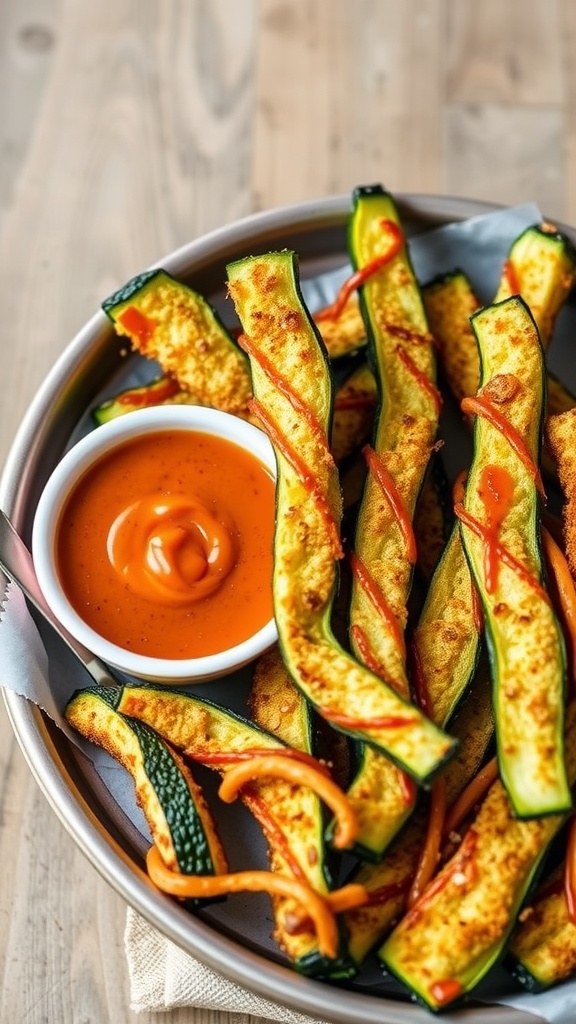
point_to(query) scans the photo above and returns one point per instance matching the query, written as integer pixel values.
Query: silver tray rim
(72, 798)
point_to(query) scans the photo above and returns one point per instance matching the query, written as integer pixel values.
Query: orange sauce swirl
(172, 549)
(164, 546)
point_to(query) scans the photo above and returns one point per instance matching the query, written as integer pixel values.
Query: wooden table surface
(128, 127)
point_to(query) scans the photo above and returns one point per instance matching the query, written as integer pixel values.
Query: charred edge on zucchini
(281, 334)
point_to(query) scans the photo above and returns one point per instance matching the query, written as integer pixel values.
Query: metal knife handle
(16, 562)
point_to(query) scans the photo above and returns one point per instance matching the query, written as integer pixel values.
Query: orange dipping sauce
(164, 547)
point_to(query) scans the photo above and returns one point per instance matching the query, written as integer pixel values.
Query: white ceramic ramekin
(58, 488)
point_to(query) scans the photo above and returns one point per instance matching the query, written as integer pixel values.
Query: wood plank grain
(568, 43)
(339, 103)
(136, 149)
(508, 155)
(27, 51)
(505, 53)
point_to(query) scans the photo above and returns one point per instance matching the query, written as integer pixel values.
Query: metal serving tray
(91, 363)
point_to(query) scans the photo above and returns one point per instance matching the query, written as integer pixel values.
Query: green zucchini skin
(541, 267)
(172, 802)
(461, 925)
(278, 706)
(201, 730)
(122, 296)
(174, 325)
(390, 879)
(406, 425)
(160, 391)
(524, 636)
(267, 296)
(542, 949)
(403, 437)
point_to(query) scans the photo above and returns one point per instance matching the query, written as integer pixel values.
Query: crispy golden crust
(449, 304)
(190, 345)
(544, 940)
(345, 333)
(470, 905)
(103, 726)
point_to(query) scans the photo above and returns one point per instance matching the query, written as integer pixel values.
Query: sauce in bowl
(164, 545)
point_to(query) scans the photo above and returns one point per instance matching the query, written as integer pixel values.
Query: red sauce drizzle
(461, 864)
(482, 406)
(362, 644)
(360, 640)
(286, 388)
(480, 530)
(496, 491)
(138, 323)
(388, 487)
(159, 394)
(509, 273)
(445, 991)
(379, 722)
(274, 833)
(231, 757)
(365, 579)
(333, 311)
(408, 335)
(299, 467)
(409, 787)
(421, 379)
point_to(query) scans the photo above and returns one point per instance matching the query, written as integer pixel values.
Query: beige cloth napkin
(164, 977)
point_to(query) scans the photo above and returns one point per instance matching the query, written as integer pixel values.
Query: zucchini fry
(389, 882)
(162, 390)
(560, 433)
(278, 707)
(445, 643)
(293, 399)
(172, 801)
(287, 814)
(500, 530)
(459, 928)
(542, 949)
(404, 433)
(541, 268)
(169, 322)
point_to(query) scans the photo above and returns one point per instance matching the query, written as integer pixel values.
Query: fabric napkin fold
(163, 977)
